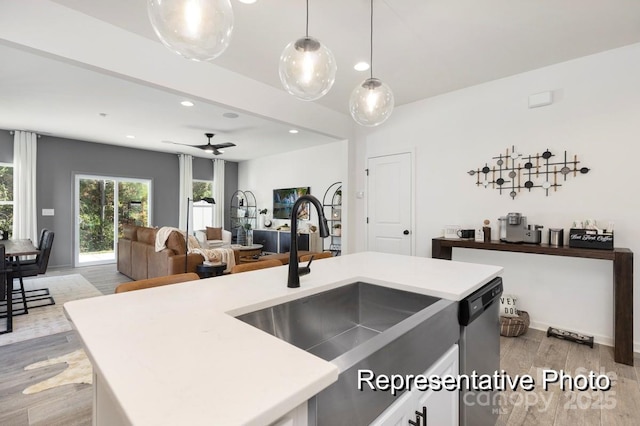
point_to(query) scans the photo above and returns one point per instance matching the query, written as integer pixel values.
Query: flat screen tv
(284, 199)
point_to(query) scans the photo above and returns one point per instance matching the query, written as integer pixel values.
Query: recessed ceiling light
(186, 103)
(294, 131)
(247, 1)
(103, 114)
(130, 137)
(230, 115)
(361, 66)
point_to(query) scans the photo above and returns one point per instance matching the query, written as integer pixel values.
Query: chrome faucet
(294, 270)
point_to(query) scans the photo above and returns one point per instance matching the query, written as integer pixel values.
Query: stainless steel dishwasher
(478, 315)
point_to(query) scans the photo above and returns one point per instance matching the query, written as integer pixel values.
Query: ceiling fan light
(307, 69)
(371, 102)
(209, 149)
(195, 29)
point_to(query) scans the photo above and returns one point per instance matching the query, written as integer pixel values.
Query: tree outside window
(6, 198)
(202, 211)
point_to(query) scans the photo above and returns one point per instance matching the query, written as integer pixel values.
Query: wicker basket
(514, 326)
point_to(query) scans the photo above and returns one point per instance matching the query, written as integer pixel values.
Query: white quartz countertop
(176, 354)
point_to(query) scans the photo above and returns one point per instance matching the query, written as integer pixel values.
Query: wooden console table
(622, 279)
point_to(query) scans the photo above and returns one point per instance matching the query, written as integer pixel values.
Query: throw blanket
(163, 234)
(226, 255)
(210, 255)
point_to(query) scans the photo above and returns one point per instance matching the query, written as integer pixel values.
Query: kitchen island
(177, 354)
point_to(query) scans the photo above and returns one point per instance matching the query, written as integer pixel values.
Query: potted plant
(337, 229)
(261, 220)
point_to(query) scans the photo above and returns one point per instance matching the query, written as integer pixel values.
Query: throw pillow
(214, 233)
(508, 306)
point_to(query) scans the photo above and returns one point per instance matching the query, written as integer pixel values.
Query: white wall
(596, 115)
(317, 167)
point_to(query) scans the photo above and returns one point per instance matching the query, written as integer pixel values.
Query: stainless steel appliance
(479, 320)
(516, 224)
(556, 237)
(514, 229)
(533, 234)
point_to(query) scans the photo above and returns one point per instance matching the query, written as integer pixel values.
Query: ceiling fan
(209, 147)
(214, 149)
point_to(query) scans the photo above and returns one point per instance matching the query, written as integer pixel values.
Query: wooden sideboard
(622, 259)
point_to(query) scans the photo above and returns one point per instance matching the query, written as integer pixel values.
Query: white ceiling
(423, 48)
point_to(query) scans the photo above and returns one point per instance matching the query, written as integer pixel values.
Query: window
(202, 211)
(6, 197)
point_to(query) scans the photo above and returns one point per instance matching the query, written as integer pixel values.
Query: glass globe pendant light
(195, 29)
(371, 102)
(307, 68)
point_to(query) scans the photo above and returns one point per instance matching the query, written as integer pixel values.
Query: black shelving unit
(242, 210)
(332, 205)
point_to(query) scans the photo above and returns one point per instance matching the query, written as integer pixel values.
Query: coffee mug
(466, 233)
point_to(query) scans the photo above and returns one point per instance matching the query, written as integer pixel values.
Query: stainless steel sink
(362, 326)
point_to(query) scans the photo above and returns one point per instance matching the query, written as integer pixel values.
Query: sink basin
(362, 326)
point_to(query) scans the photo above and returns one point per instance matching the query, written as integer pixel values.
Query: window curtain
(186, 188)
(24, 186)
(218, 192)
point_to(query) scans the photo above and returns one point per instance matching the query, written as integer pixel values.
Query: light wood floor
(528, 354)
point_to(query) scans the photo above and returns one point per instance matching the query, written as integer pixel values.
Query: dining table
(13, 250)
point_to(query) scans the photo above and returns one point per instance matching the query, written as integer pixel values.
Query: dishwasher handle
(471, 307)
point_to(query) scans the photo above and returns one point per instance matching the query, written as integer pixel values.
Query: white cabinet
(440, 408)
(296, 417)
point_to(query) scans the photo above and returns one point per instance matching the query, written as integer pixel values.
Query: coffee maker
(515, 225)
(514, 229)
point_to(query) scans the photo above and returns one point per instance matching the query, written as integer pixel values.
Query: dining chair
(252, 266)
(32, 269)
(40, 246)
(41, 262)
(5, 292)
(156, 282)
(316, 256)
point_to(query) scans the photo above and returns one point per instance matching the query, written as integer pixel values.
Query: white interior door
(390, 204)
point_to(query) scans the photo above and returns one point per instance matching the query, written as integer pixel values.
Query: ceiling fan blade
(224, 145)
(205, 146)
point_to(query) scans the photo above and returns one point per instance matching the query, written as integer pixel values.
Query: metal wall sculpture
(513, 172)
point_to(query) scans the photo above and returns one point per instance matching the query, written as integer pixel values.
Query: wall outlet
(48, 212)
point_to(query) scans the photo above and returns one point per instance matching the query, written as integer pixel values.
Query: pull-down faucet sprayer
(294, 270)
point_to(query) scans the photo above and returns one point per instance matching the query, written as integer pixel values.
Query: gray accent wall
(6, 147)
(202, 169)
(230, 186)
(59, 160)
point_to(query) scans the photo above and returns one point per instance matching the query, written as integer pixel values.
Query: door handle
(406, 232)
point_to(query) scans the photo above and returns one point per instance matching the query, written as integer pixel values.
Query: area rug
(48, 320)
(78, 371)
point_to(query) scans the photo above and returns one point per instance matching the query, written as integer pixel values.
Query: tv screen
(284, 199)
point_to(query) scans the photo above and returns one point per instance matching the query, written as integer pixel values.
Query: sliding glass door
(104, 204)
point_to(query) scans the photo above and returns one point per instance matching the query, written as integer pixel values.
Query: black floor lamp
(208, 200)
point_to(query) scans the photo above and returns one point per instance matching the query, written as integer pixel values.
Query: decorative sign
(514, 172)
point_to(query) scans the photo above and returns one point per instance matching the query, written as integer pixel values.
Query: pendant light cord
(370, 43)
(307, 28)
